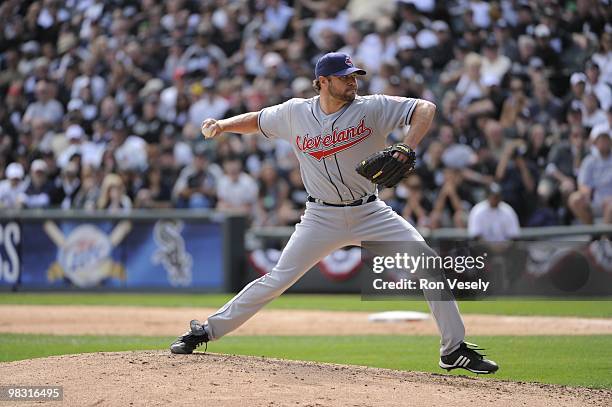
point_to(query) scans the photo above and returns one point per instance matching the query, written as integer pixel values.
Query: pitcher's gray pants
(322, 230)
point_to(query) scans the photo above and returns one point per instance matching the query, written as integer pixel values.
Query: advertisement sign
(112, 254)
(10, 243)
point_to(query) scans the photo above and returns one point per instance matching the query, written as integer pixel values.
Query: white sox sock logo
(323, 146)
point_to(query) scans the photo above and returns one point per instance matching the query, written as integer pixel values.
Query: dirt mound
(111, 320)
(157, 378)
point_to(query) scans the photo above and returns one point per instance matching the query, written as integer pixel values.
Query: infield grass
(601, 308)
(570, 360)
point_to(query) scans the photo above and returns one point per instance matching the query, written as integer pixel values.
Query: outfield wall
(204, 251)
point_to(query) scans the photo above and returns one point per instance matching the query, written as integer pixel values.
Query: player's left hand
(389, 166)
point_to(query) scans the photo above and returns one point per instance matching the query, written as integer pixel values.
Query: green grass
(577, 361)
(601, 308)
(18, 346)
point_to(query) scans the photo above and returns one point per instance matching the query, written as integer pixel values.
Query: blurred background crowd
(101, 102)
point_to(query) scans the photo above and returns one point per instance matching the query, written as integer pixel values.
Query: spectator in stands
(326, 37)
(130, 107)
(112, 195)
(208, 104)
(537, 147)
(495, 140)
(149, 126)
(39, 189)
(592, 114)
(277, 16)
(130, 152)
(454, 68)
(526, 54)
(442, 53)
(196, 184)
(491, 102)
(545, 108)
(12, 188)
(451, 201)
(273, 191)
(469, 88)
(494, 63)
(597, 85)
(67, 185)
(593, 199)
(89, 79)
(151, 193)
(507, 44)
(431, 167)
(84, 105)
(516, 174)
(42, 136)
(46, 106)
(516, 104)
(544, 50)
(10, 73)
(78, 145)
(236, 189)
(174, 100)
(603, 57)
(417, 207)
(408, 57)
(493, 220)
(379, 46)
(292, 208)
(162, 173)
(577, 86)
(201, 53)
(88, 194)
(563, 164)
(604, 125)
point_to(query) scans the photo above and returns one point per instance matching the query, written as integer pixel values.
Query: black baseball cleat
(466, 357)
(191, 339)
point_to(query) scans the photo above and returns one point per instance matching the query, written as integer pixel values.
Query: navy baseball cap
(336, 64)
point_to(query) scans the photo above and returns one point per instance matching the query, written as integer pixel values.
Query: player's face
(343, 87)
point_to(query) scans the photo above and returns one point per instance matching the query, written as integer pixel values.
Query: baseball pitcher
(340, 141)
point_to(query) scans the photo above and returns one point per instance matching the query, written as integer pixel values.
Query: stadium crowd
(101, 102)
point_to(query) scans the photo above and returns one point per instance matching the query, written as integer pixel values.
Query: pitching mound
(157, 378)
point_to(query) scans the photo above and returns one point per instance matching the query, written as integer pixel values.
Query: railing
(462, 234)
(134, 214)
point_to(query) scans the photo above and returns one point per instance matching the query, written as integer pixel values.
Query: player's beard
(346, 96)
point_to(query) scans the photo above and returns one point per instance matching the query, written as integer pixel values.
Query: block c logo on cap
(348, 61)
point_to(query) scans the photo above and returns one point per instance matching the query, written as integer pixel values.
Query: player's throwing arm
(242, 124)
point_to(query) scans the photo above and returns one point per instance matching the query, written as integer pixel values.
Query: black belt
(358, 202)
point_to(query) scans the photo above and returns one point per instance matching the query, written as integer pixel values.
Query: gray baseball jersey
(329, 147)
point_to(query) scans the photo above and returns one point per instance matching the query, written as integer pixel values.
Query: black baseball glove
(383, 169)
